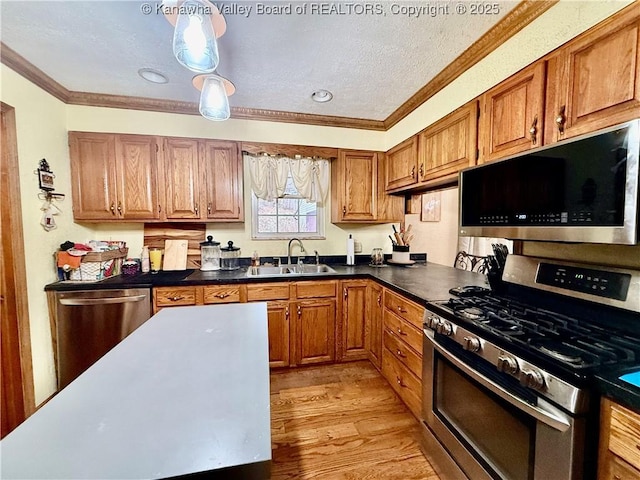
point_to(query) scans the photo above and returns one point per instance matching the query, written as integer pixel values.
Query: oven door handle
(547, 415)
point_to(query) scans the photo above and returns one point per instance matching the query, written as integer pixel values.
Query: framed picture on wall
(430, 207)
(45, 180)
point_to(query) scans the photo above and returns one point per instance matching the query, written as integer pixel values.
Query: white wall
(43, 122)
(41, 125)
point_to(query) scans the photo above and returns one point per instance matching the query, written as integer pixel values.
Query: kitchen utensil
(400, 254)
(175, 254)
(209, 255)
(229, 257)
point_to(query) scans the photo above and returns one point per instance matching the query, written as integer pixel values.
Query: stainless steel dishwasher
(89, 323)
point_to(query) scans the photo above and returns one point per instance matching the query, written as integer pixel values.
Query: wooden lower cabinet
(373, 325)
(619, 456)
(278, 314)
(402, 348)
(314, 331)
(352, 343)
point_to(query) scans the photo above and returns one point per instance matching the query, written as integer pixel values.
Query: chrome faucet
(289, 249)
(317, 257)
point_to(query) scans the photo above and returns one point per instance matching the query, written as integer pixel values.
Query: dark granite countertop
(610, 385)
(421, 282)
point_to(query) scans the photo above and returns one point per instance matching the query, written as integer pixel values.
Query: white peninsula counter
(186, 394)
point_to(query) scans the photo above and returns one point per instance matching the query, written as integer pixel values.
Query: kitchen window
(288, 196)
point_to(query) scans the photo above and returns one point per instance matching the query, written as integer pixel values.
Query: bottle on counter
(255, 259)
(145, 265)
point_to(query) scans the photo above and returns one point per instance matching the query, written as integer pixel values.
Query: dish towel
(632, 378)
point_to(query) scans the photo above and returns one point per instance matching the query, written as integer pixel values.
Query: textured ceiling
(372, 63)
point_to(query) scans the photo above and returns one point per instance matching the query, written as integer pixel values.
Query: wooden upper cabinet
(354, 177)
(93, 175)
(358, 189)
(594, 81)
(401, 165)
(449, 145)
(181, 178)
(223, 192)
(137, 170)
(512, 114)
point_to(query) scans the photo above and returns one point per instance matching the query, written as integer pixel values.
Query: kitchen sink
(286, 270)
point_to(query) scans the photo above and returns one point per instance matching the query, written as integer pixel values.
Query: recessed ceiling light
(321, 96)
(153, 76)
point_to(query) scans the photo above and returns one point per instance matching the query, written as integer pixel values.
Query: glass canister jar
(209, 255)
(229, 257)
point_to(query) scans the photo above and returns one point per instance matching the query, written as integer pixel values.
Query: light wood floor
(342, 422)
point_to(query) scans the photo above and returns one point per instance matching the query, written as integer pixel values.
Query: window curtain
(269, 176)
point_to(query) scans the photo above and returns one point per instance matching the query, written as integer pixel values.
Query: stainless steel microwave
(584, 189)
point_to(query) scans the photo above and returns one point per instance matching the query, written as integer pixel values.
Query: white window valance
(269, 176)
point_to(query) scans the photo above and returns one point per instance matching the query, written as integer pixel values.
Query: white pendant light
(214, 98)
(194, 39)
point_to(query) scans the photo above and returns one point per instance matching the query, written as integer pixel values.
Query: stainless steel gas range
(508, 374)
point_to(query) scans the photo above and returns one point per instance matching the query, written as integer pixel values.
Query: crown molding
(306, 118)
(523, 14)
(22, 66)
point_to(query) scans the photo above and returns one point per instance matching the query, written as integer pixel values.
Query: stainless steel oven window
(499, 436)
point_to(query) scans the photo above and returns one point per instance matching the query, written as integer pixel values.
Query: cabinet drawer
(405, 383)
(174, 296)
(617, 469)
(624, 436)
(404, 354)
(267, 291)
(316, 289)
(222, 294)
(408, 310)
(400, 329)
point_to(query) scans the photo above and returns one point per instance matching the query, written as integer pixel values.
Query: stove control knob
(433, 321)
(507, 364)
(532, 379)
(444, 328)
(471, 344)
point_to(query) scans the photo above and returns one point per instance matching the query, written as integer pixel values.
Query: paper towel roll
(350, 251)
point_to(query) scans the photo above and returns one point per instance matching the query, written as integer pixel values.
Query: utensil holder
(400, 254)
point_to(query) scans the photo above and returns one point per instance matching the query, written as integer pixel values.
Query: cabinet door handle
(120, 208)
(413, 171)
(196, 209)
(113, 208)
(222, 295)
(561, 119)
(402, 310)
(400, 382)
(345, 292)
(299, 311)
(379, 300)
(400, 332)
(421, 170)
(400, 354)
(344, 210)
(175, 299)
(534, 130)
(286, 313)
(617, 477)
(209, 208)
(159, 208)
